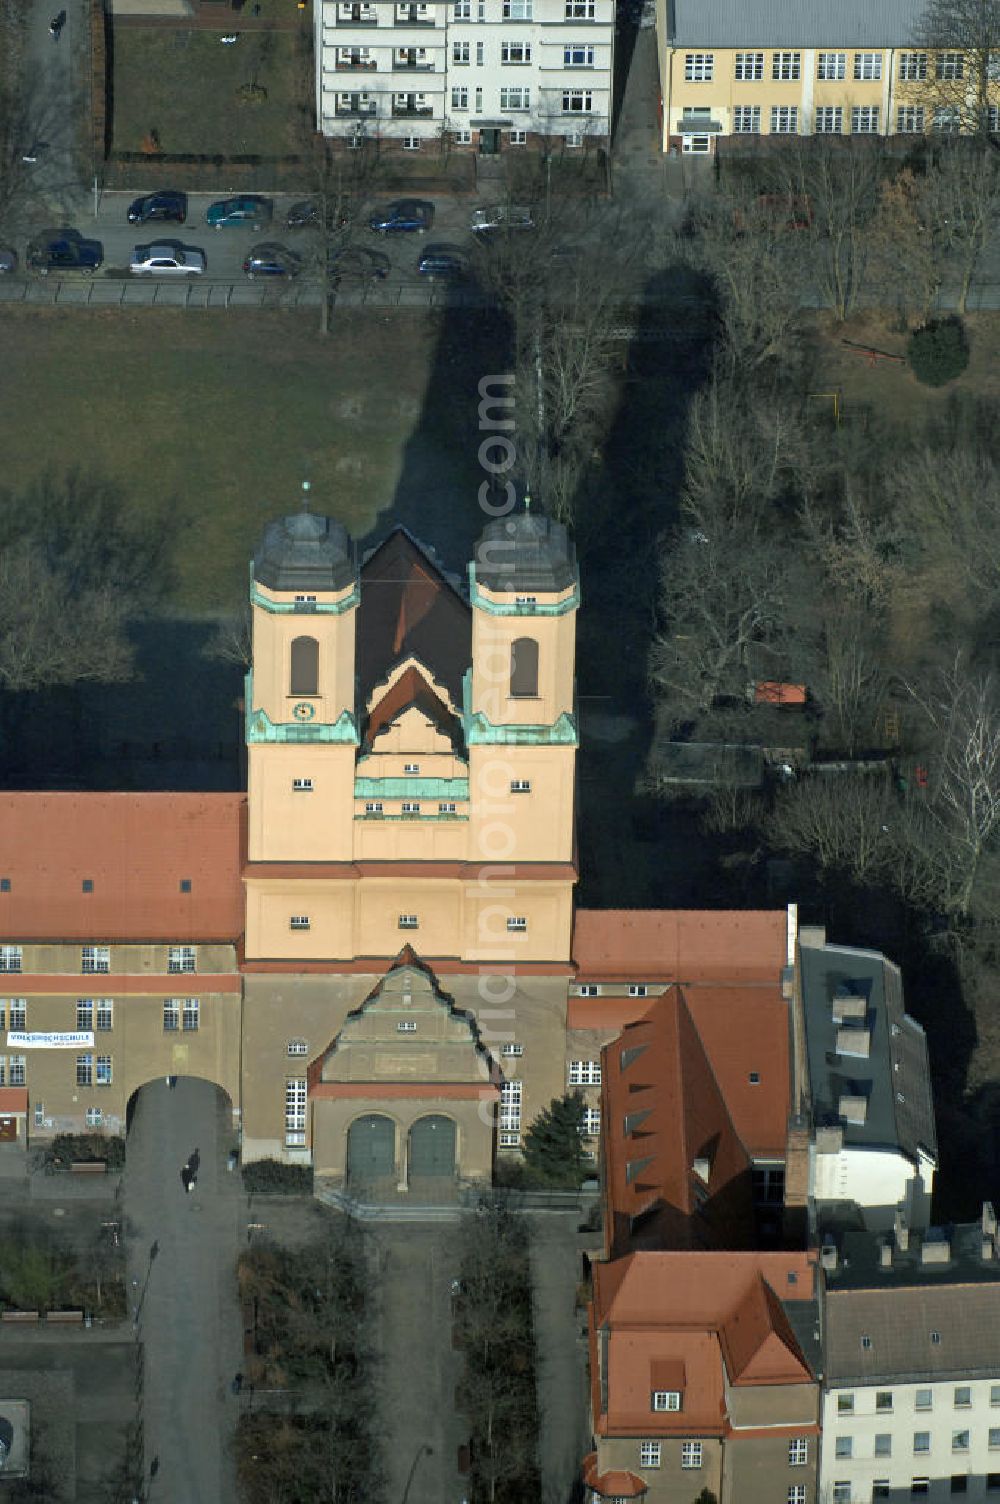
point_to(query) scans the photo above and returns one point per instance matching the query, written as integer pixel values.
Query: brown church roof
(409, 609)
(136, 850)
(411, 690)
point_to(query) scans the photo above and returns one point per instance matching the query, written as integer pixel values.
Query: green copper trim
(415, 819)
(511, 608)
(260, 727)
(289, 608)
(411, 788)
(482, 732)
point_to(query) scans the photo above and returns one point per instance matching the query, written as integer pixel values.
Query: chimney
(936, 1251)
(828, 1256)
(884, 1253)
(989, 1220)
(853, 1109)
(854, 1042)
(901, 1231)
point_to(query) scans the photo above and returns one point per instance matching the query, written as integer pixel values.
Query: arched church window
(524, 668)
(305, 666)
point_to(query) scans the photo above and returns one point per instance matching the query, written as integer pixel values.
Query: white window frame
(699, 67)
(921, 1443)
(11, 957)
(95, 958)
(798, 1451)
(459, 101)
(461, 10)
(302, 785)
(410, 807)
(515, 54)
(297, 1047)
(39, 1111)
(960, 1441)
(17, 1013)
(512, 1051)
(516, 10)
(864, 119)
(949, 66)
(577, 101)
(295, 1111)
(829, 120)
(579, 10)
(784, 120)
(171, 1015)
(638, 989)
(509, 1139)
(94, 1117)
(447, 807)
(912, 67)
(104, 1067)
(411, 143)
(462, 138)
(649, 1453)
(831, 66)
(182, 958)
(921, 1405)
(786, 67)
(746, 120)
(406, 1026)
(691, 1455)
(408, 922)
(867, 67)
(299, 922)
(663, 1401)
(749, 67)
(843, 1449)
(962, 1397)
(910, 120)
(575, 55)
(84, 1069)
(517, 924)
(796, 1493)
(460, 54)
(373, 807)
(517, 138)
(515, 100)
(104, 1014)
(520, 785)
(589, 989)
(190, 1015)
(511, 1101)
(584, 1073)
(590, 1122)
(18, 1070)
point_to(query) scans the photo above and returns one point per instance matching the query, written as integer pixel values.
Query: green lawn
(224, 414)
(185, 85)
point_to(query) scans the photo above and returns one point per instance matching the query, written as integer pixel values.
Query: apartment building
(862, 1135)
(911, 1408)
(486, 75)
(790, 68)
(703, 1375)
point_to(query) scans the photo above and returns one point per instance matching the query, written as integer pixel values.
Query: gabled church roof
(409, 608)
(411, 690)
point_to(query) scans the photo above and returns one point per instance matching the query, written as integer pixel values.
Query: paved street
(189, 1314)
(562, 1391)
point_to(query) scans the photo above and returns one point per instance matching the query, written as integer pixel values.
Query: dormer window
(407, 1026)
(637, 989)
(305, 603)
(666, 1399)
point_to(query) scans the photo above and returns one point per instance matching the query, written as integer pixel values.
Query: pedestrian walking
(56, 25)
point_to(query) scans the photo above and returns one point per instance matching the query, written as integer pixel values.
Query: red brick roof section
(708, 1315)
(679, 945)
(411, 690)
(136, 850)
(13, 1100)
(657, 1075)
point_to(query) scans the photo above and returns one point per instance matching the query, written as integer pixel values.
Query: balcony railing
(412, 112)
(402, 66)
(355, 67)
(355, 112)
(346, 21)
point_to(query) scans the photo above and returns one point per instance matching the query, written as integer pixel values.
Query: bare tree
(841, 822)
(964, 205)
(909, 250)
(836, 186)
(963, 37)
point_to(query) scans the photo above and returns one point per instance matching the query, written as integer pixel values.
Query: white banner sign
(82, 1041)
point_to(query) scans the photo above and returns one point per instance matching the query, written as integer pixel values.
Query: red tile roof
(410, 689)
(774, 692)
(678, 945)
(614, 1484)
(745, 1032)
(714, 1316)
(136, 849)
(658, 1074)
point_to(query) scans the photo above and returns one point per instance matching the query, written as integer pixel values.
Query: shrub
(271, 1175)
(87, 1148)
(939, 351)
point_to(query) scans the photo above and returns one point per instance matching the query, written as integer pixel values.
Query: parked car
(501, 217)
(403, 216)
(64, 251)
(354, 263)
(304, 213)
(168, 207)
(443, 262)
(271, 260)
(167, 259)
(8, 259)
(247, 209)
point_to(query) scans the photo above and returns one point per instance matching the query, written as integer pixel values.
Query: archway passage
(371, 1149)
(432, 1146)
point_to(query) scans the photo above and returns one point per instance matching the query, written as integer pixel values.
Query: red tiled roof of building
(409, 607)
(136, 849)
(717, 1314)
(774, 692)
(679, 945)
(745, 1032)
(614, 1484)
(657, 1075)
(410, 689)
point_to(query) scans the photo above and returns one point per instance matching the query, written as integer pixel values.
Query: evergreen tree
(552, 1145)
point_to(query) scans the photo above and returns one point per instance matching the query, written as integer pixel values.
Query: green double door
(371, 1149)
(432, 1146)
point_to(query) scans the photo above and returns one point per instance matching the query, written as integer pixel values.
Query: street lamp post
(422, 1451)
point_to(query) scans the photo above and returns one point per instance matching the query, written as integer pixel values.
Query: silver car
(501, 217)
(167, 259)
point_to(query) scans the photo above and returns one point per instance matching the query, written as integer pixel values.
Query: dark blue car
(403, 216)
(167, 207)
(64, 251)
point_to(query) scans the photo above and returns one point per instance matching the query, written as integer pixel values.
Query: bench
(64, 1318)
(89, 1167)
(19, 1316)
